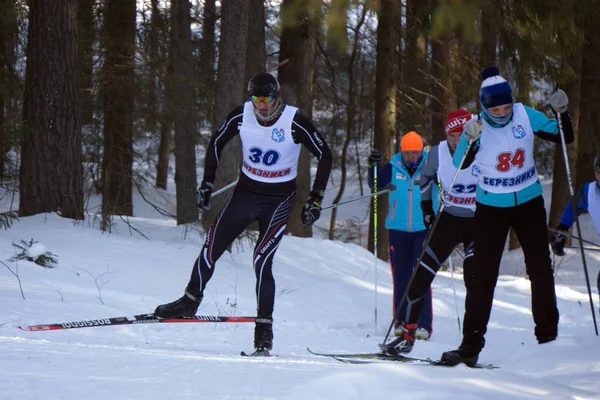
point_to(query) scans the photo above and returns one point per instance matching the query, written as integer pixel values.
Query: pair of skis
(368, 358)
(350, 358)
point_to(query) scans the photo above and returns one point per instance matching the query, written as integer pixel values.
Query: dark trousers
(405, 248)
(449, 232)
(272, 213)
(492, 225)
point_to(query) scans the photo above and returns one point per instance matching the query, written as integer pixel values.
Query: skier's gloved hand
(559, 101)
(473, 129)
(203, 195)
(428, 214)
(374, 158)
(559, 239)
(312, 208)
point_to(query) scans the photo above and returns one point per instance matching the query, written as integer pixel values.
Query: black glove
(374, 158)
(203, 195)
(428, 214)
(559, 239)
(312, 208)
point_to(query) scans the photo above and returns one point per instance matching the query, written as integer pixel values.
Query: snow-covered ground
(325, 300)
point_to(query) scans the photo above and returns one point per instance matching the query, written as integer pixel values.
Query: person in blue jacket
(406, 229)
(588, 201)
(509, 194)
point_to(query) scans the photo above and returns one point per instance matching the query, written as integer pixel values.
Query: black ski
(366, 358)
(137, 319)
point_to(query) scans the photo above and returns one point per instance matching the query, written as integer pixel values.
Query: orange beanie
(411, 141)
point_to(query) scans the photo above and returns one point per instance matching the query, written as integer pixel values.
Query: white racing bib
(505, 157)
(594, 205)
(462, 194)
(269, 152)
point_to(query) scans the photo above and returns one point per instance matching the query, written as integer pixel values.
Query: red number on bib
(506, 160)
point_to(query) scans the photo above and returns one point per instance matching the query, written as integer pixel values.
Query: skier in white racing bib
(271, 134)
(588, 201)
(508, 194)
(455, 225)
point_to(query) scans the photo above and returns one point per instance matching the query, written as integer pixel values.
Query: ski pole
(375, 237)
(384, 346)
(573, 237)
(387, 188)
(225, 188)
(577, 224)
(454, 292)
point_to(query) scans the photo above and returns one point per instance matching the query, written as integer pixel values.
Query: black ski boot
(186, 306)
(263, 334)
(404, 343)
(465, 355)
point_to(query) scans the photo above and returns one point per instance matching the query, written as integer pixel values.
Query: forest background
(113, 96)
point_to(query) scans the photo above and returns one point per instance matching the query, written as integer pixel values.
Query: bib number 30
(268, 158)
(507, 159)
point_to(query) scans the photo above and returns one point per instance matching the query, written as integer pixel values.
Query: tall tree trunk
(183, 110)
(560, 196)
(207, 82)
(385, 107)
(165, 117)
(350, 119)
(588, 143)
(299, 44)
(85, 50)
(413, 69)
(51, 176)
(443, 98)
(255, 46)
(8, 28)
(118, 79)
(231, 83)
(151, 115)
(489, 35)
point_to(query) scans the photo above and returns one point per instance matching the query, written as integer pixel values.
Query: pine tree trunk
(443, 98)
(385, 108)
(183, 111)
(51, 164)
(8, 28)
(588, 143)
(350, 120)
(413, 70)
(206, 68)
(560, 192)
(151, 112)
(231, 84)
(489, 38)
(255, 46)
(85, 50)
(118, 91)
(298, 44)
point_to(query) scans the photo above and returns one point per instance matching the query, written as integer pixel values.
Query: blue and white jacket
(405, 201)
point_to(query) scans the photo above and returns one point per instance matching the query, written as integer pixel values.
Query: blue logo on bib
(518, 132)
(475, 171)
(278, 135)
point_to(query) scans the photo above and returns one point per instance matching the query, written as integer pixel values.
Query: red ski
(137, 319)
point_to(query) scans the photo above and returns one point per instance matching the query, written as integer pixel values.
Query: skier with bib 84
(509, 194)
(455, 224)
(272, 134)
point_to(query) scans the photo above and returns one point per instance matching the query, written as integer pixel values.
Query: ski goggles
(262, 99)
